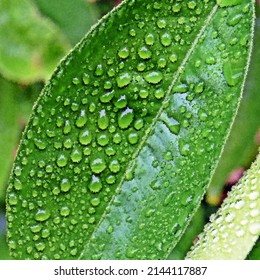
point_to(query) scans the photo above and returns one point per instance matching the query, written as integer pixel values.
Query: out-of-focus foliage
(30, 46)
(73, 17)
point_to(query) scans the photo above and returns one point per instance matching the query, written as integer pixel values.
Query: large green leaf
(30, 46)
(73, 17)
(241, 147)
(126, 135)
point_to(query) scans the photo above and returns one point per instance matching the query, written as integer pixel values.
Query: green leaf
(73, 17)
(234, 229)
(126, 135)
(30, 45)
(240, 151)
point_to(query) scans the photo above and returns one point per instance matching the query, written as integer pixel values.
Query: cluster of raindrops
(97, 113)
(236, 226)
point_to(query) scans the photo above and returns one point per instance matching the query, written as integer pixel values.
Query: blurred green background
(37, 34)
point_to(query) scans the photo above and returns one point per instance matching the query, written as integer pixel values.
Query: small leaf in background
(73, 17)
(30, 45)
(234, 229)
(241, 147)
(125, 136)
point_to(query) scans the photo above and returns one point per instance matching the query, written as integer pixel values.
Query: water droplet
(210, 59)
(97, 165)
(114, 166)
(68, 143)
(230, 217)
(12, 199)
(74, 108)
(117, 138)
(139, 124)
(159, 93)
(199, 87)
(67, 127)
(103, 139)
(40, 246)
(233, 71)
(103, 120)
(82, 119)
(184, 148)
(202, 115)
(110, 229)
(110, 151)
(176, 7)
(133, 138)
(111, 179)
(168, 199)
(125, 118)
(192, 5)
(254, 229)
(45, 233)
(76, 155)
(161, 23)
(85, 137)
(40, 144)
(162, 62)
(42, 215)
(124, 79)
(166, 39)
(144, 52)
(75, 81)
(253, 195)
(65, 185)
(99, 70)
(95, 201)
(149, 39)
(153, 77)
(180, 88)
(123, 53)
(107, 97)
(130, 252)
(95, 184)
(86, 78)
(62, 160)
(121, 102)
(173, 57)
(149, 213)
(235, 19)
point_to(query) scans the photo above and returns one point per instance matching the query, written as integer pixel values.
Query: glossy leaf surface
(125, 136)
(30, 46)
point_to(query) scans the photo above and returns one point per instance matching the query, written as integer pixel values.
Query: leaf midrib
(150, 129)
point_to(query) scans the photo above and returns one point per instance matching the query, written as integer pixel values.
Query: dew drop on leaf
(125, 118)
(97, 165)
(42, 215)
(95, 185)
(153, 77)
(65, 185)
(124, 79)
